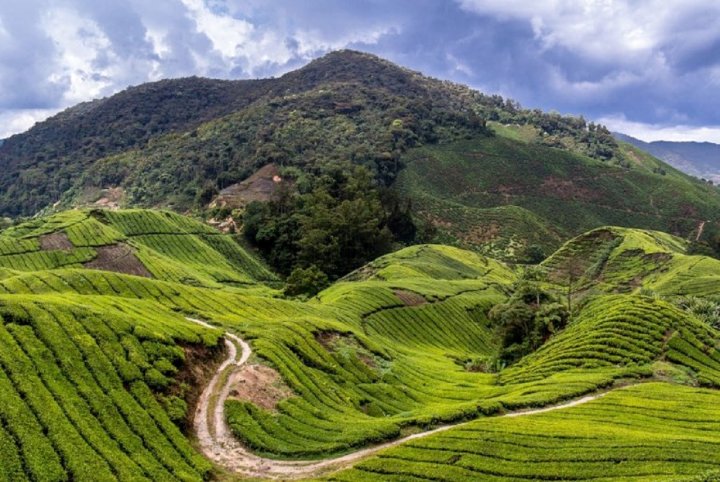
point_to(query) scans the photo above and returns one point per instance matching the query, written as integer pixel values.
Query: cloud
(57, 53)
(659, 132)
(83, 63)
(607, 30)
(12, 122)
(655, 61)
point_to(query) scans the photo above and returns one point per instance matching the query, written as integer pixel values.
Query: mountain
(700, 159)
(466, 168)
(219, 132)
(165, 142)
(502, 194)
(122, 331)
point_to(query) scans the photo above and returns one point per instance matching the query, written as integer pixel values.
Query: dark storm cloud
(654, 63)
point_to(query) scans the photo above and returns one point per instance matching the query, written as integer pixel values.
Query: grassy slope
(612, 259)
(644, 433)
(172, 247)
(653, 431)
(499, 194)
(77, 400)
(380, 353)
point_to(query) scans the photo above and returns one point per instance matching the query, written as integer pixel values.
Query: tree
(534, 254)
(527, 319)
(338, 226)
(572, 272)
(306, 281)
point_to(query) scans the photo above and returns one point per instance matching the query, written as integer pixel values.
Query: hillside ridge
(94, 363)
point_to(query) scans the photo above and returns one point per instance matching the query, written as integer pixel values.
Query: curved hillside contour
(153, 244)
(98, 367)
(218, 444)
(498, 195)
(78, 386)
(646, 433)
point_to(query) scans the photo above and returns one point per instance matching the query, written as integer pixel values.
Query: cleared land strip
(218, 444)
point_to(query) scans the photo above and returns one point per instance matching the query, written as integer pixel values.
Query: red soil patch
(260, 385)
(261, 186)
(565, 189)
(482, 234)
(55, 241)
(410, 298)
(111, 198)
(119, 258)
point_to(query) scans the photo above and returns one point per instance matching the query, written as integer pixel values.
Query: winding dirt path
(700, 230)
(218, 444)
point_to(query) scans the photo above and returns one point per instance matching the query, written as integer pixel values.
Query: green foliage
(162, 244)
(72, 398)
(306, 281)
(644, 432)
(526, 320)
(338, 226)
(534, 254)
(500, 196)
(705, 309)
(93, 362)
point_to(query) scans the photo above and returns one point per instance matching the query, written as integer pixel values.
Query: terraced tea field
(501, 194)
(115, 324)
(643, 433)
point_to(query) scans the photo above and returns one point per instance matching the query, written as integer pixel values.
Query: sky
(648, 68)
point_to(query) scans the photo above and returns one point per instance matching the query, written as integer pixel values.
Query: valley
(351, 272)
(391, 373)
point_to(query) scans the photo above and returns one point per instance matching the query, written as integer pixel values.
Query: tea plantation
(100, 369)
(501, 194)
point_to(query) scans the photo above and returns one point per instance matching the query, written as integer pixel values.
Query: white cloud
(12, 122)
(238, 41)
(657, 132)
(4, 34)
(79, 43)
(227, 34)
(608, 30)
(310, 42)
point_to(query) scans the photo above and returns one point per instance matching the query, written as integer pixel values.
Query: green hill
(77, 391)
(154, 244)
(612, 259)
(498, 195)
(100, 369)
(699, 159)
(477, 170)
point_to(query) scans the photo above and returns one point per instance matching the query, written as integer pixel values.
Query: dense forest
(341, 131)
(168, 142)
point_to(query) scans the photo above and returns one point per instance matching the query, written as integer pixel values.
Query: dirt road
(218, 444)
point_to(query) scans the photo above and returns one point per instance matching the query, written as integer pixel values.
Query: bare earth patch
(119, 258)
(566, 189)
(410, 298)
(482, 233)
(111, 198)
(260, 385)
(261, 186)
(55, 241)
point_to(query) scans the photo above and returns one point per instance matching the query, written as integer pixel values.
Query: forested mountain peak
(178, 143)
